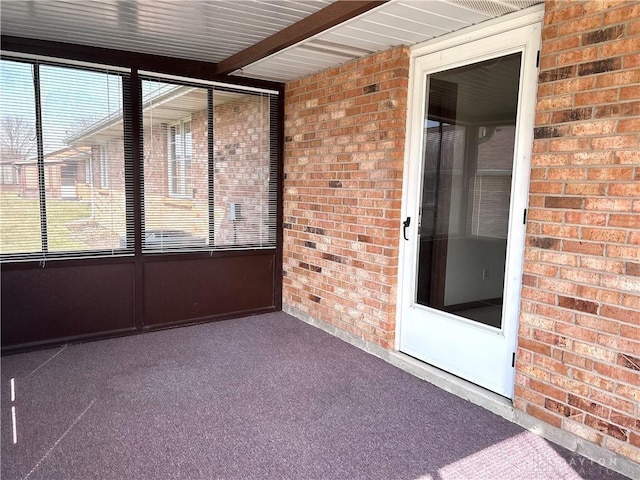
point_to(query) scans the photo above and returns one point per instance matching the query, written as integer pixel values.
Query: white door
(465, 193)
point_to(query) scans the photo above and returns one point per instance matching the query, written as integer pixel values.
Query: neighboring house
(176, 164)
(66, 172)
(9, 174)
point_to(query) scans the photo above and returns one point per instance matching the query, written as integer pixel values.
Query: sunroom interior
(143, 187)
(142, 179)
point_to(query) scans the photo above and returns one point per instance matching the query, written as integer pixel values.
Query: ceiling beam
(331, 15)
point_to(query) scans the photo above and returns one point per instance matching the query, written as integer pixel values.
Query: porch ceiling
(269, 39)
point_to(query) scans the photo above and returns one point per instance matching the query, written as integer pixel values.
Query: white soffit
(212, 30)
(398, 22)
(206, 30)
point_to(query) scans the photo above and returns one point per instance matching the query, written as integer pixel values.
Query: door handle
(405, 224)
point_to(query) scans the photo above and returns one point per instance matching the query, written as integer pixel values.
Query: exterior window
(209, 164)
(179, 159)
(209, 167)
(51, 211)
(8, 176)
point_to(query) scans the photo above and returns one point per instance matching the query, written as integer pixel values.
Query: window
(8, 176)
(490, 185)
(208, 166)
(47, 127)
(179, 159)
(216, 147)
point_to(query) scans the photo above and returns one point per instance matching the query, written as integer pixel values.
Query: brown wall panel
(193, 289)
(43, 304)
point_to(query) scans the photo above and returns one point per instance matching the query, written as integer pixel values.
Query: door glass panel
(469, 138)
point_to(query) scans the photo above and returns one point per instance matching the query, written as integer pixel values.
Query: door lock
(405, 224)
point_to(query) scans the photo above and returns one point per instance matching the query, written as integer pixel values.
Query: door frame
(531, 19)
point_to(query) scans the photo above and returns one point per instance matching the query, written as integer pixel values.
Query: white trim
(524, 30)
(155, 75)
(512, 21)
(64, 61)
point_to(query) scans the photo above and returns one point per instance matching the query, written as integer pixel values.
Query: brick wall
(344, 148)
(578, 363)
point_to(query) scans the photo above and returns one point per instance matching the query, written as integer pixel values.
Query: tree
(17, 139)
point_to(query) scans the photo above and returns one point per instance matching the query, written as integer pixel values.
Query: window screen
(209, 167)
(62, 141)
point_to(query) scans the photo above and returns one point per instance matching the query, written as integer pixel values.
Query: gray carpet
(260, 397)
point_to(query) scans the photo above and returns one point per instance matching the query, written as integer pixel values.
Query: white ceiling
(212, 30)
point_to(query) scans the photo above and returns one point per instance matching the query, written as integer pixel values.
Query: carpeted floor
(260, 397)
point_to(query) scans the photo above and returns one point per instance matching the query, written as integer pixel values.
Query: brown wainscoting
(79, 300)
(186, 290)
(40, 305)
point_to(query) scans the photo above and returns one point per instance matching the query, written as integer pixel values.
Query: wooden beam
(331, 15)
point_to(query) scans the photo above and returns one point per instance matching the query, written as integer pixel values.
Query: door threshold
(448, 382)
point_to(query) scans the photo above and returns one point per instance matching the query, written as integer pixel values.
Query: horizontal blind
(210, 167)
(20, 231)
(243, 169)
(490, 186)
(69, 176)
(175, 168)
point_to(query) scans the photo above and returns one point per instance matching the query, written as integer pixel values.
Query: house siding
(578, 364)
(577, 361)
(344, 150)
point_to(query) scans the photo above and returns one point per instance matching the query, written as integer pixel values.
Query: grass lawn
(20, 224)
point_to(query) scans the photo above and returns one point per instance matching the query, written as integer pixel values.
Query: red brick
(627, 221)
(598, 323)
(344, 164)
(622, 314)
(581, 361)
(611, 173)
(564, 202)
(604, 235)
(629, 125)
(606, 427)
(631, 92)
(592, 379)
(588, 406)
(617, 373)
(615, 142)
(613, 401)
(544, 415)
(582, 247)
(608, 204)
